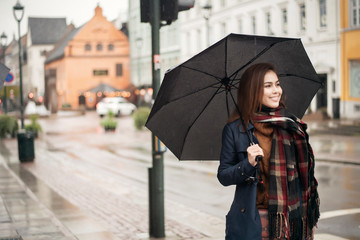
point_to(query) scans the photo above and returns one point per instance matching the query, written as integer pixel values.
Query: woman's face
(272, 90)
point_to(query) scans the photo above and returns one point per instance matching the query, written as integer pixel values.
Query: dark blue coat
(243, 220)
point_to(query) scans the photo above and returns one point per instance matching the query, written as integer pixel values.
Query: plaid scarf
(293, 197)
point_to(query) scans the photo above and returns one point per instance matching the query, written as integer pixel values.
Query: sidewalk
(335, 140)
(22, 216)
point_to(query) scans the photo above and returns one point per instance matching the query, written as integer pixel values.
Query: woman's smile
(272, 90)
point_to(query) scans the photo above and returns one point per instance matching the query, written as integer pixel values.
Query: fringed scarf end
(278, 223)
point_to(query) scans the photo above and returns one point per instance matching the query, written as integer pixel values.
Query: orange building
(94, 54)
(350, 58)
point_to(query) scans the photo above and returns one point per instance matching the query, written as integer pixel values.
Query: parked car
(118, 105)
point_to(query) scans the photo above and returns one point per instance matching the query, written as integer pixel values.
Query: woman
(276, 197)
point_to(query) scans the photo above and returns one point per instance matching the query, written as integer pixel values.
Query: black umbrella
(4, 71)
(196, 97)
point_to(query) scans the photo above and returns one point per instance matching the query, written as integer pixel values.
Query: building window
(240, 26)
(355, 13)
(223, 29)
(25, 56)
(99, 47)
(188, 42)
(268, 24)
(198, 36)
(119, 70)
(302, 17)
(253, 23)
(322, 8)
(111, 47)
(222, 3)
(100, 72)
(70, 50)
(355, 78)
(43, 53)
(88, 47)
(284, 21)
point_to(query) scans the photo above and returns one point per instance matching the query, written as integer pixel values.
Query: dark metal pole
(5, 96)
(156, 174)
(5, 100)
(20, 75)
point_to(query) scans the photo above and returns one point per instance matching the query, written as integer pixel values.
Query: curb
(347, 162)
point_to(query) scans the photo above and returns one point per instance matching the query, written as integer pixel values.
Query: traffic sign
(9, 78)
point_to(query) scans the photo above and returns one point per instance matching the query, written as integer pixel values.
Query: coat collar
(250, 126)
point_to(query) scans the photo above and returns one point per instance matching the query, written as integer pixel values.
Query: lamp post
(25, 138)
(3, 38)
(139, 42)
(206, 14)
(18, 11)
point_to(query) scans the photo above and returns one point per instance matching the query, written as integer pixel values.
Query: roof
(46, 30)
(103, 87)
(59, 49)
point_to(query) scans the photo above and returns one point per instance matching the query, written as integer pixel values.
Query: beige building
(93, 54)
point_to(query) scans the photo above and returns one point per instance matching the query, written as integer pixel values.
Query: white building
(140, 46)
(42, 34)
(316, 22)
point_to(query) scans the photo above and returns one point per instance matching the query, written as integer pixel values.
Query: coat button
(243, 210)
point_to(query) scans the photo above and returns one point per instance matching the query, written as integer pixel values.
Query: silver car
(118, 105)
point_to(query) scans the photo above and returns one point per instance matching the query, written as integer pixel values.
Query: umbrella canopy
(4, 71)
(102, 87)
(196, 97)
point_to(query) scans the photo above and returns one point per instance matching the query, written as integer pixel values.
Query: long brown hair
(250, 92)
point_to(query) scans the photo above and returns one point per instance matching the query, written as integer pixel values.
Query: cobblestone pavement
(108, 196)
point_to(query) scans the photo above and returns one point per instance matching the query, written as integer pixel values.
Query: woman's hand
(254, 151)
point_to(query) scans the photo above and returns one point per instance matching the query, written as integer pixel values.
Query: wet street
(104, 176)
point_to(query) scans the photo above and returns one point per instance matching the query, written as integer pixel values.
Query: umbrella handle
(258, 159)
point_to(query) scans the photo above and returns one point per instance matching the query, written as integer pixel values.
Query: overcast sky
(75, 11)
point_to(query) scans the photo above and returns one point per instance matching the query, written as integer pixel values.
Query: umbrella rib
(212, 97)
(252, 60)
(294, 75)
(226, 49)
(197, 70)
(256, 57)
(189, 94)
(227, 104)
(233, 85)
(242, 120)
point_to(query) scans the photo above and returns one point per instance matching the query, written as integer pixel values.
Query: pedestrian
(276, 196)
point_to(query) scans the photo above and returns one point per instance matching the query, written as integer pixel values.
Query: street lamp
(18, 11)
(25, 139)
(206, 14)
(3, 38)
(139, 42)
